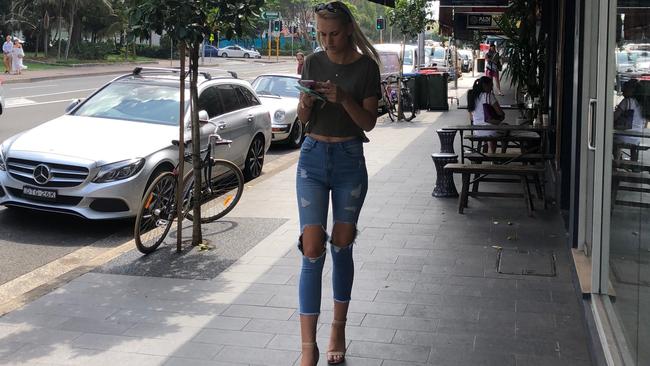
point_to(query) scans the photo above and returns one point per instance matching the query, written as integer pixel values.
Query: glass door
(627, 168)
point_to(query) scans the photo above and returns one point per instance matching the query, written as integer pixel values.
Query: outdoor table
(505, 129)
(634, 148)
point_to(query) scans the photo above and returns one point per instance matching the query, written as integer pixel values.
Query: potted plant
(525, 51)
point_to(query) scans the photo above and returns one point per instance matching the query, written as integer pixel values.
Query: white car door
(237, 51)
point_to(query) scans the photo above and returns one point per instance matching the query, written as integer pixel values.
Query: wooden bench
(635, 166)
(505, 141)
(521, 171)
(508, 157)
(634, 148)
(619, 176)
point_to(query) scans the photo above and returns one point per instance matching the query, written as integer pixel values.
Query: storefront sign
(480, 21)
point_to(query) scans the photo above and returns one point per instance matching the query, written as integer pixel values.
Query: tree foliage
(526, 47)
(409, 17)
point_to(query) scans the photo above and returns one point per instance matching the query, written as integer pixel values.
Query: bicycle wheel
(156, 213)
(407, 103)
(222, 194)
(392, 112)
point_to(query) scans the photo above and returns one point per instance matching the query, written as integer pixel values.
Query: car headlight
(3, 164)
(279, 115)
(118, 171)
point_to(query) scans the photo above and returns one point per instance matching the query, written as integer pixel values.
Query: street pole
(171, 52)
(381, 36)
(277, 48)
(268, 36)
(292, 44)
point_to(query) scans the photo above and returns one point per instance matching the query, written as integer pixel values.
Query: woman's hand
(331, 92)
(307, 101)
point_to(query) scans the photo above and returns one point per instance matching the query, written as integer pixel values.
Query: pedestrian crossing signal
(380, 23)
(277, 25)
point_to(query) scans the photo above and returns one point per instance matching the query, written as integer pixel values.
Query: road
(29, 240)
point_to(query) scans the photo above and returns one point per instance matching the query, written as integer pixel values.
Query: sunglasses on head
(334, 7)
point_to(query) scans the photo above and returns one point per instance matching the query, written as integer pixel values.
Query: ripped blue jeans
(339, 168)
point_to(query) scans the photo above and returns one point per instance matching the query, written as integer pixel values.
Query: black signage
(479, 20)
(475, 3)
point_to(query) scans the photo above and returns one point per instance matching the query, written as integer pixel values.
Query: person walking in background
(7, 49)
(332, 162)
(628, 115)
(17, 55)
(300, 57)
(493, 66)
(481, 93)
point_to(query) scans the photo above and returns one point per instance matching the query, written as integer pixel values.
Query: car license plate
(39, 194)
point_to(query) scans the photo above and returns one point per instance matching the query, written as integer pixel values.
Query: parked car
(410, 55)
(278, 92)
(441, 59)
(237, 51)
(97, 160)
(210, 50)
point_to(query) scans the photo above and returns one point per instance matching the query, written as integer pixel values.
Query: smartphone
(307, 83)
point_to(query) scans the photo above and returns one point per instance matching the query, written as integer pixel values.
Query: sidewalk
(426, 287)
(108, 69)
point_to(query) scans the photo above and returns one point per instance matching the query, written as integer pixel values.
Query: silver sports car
(97, 160)
(278, 92)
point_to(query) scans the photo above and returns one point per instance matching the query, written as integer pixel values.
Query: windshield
(276, 85)
(133, 101)
(408, 57)
(439, 53)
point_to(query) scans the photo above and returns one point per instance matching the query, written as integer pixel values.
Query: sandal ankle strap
(339, 322)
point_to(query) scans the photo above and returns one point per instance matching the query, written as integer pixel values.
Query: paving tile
(260, 312)
(389, 351)
(95, 326)
(549, 361)
(399, 322)
(180, 361)
(257, 356)
(442, 356)
(233, 338)
(442, 312)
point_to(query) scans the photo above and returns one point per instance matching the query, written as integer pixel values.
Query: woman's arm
(305, 105)
(495, 104)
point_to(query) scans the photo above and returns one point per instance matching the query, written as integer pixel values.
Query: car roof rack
(232, 73)
(139, 70)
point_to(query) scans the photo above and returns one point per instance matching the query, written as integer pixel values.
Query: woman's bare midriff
(330, 138)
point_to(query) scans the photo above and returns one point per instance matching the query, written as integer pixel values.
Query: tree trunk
(197, 236)
(181, 152)
(67, 45)
(58, 32)
(400, 110)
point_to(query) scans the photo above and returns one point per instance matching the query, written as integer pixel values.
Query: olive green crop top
(359, 78)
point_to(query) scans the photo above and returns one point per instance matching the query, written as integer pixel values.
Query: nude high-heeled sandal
(313, 347)
(335, 357)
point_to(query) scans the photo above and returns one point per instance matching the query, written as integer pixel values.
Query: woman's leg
(313, 202)
(349, 187)
(497, 83)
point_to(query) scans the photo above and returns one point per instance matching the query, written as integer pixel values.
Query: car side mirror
(203, 117)
(72, 105)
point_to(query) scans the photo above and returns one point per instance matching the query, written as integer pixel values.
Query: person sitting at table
(629, 103)
(481, 93)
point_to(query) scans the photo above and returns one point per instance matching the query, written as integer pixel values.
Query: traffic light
(380, 23)
(277, 25)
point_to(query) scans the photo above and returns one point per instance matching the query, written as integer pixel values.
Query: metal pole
(171, 52)
(277, 48)
(291, 44)
(381, 38)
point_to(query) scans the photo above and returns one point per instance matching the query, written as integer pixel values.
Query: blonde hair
(358, 39)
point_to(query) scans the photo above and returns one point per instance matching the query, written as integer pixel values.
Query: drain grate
(526, 262)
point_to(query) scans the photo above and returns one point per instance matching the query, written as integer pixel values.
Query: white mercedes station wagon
(97, 160)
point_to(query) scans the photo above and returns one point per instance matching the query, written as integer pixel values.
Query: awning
(389, 3)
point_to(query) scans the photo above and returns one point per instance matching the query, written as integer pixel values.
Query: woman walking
(17, 55)
(331, 161)
(493, 66)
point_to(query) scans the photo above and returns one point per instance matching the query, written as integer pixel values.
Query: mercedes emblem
(42, 174)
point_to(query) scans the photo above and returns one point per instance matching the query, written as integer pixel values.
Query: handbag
(490, 114)
(625, 119)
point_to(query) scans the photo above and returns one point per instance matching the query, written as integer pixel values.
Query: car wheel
(297, 135)
(246, 55)
(223, 54)
(254, 159)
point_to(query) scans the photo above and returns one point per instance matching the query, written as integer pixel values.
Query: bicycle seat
(186, 144)
(217, 140)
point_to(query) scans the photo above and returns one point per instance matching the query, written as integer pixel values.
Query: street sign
(268, 15)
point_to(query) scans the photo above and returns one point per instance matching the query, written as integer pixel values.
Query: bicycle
(219, 195)
(389, 95)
